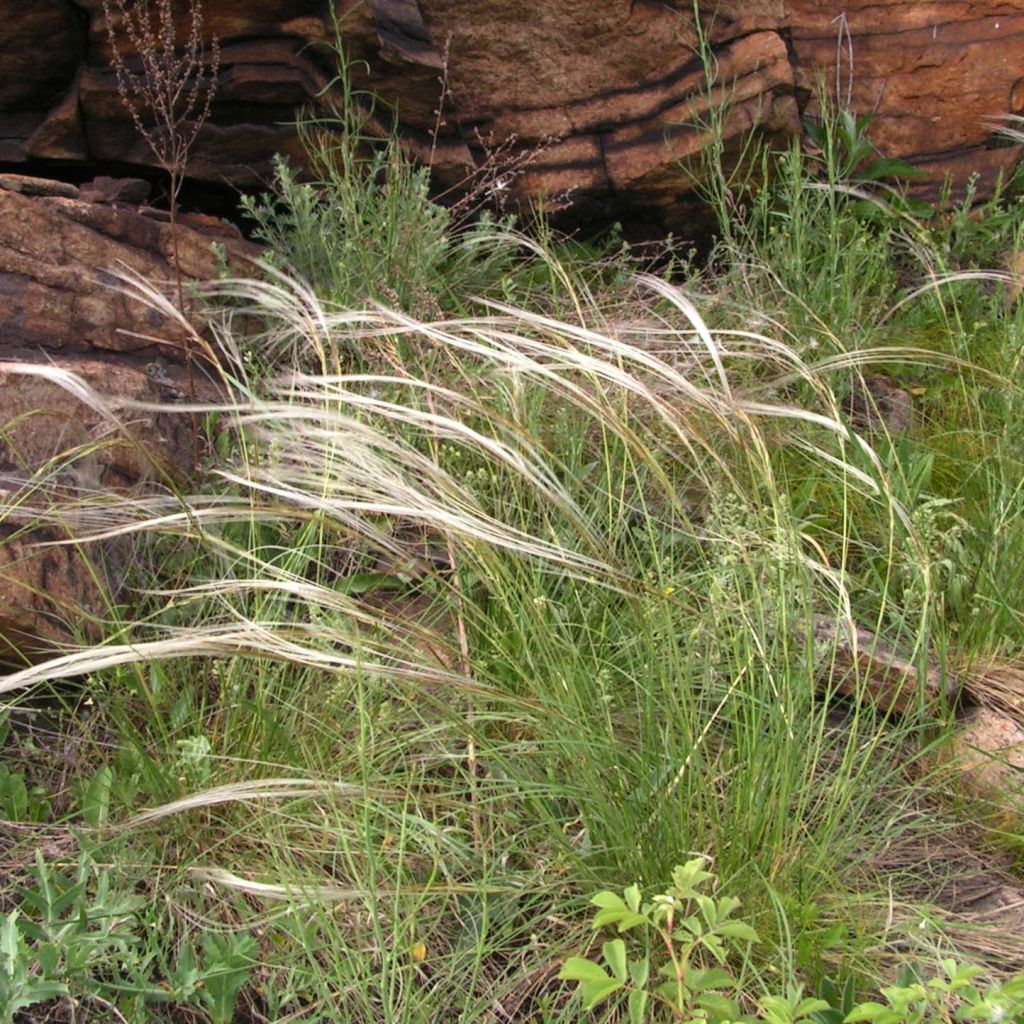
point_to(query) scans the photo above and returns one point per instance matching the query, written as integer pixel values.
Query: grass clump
(502, 589)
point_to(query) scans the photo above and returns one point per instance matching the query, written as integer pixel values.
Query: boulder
(598, 105)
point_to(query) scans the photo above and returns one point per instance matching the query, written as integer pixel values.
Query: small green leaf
(692, 925)
(96, 798)
(576, 968)
(608, 901)
(737, 930)
(708, 909)
(228, 963)
(726, 905)
(632, 895)
(637, 1005)
(615, 954)
(48, 958)
(639, 972)
(595, 992)
(714, 946)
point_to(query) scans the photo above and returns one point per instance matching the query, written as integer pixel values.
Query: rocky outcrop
(63, 316)
(987, 751)
(601, 104)
(56, 255)
(934, 71)
(56, 447)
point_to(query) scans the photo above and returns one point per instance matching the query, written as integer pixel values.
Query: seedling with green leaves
(684, 934)
(952, 995)
(20, 985)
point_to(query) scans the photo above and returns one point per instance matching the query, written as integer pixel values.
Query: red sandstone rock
(53, 446)
(57, 309)
(602, 93)
(55, 257)
(934, 72)
(987, 751)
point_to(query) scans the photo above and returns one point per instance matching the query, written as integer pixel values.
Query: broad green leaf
(830, 992)
(776, 1004)
(363, 582)
(631, 920)
(829, 1016)
(908, 993)
(849, 998)
(13, 794)
(866, 1011)
(718, 1006)
(980, 1012)
(808, 1006)
(713, 977)
(669, 991)
(888, 167)
(606, 917)
(777, 1010)
(1014, 988)
(576, 968)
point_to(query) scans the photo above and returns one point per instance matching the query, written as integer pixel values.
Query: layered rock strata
(599, 104)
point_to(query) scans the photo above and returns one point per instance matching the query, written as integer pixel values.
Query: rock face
(935, 71)
(988, 753)
(56, 252)
(55, 446)
(60, 315)
(602, 104)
